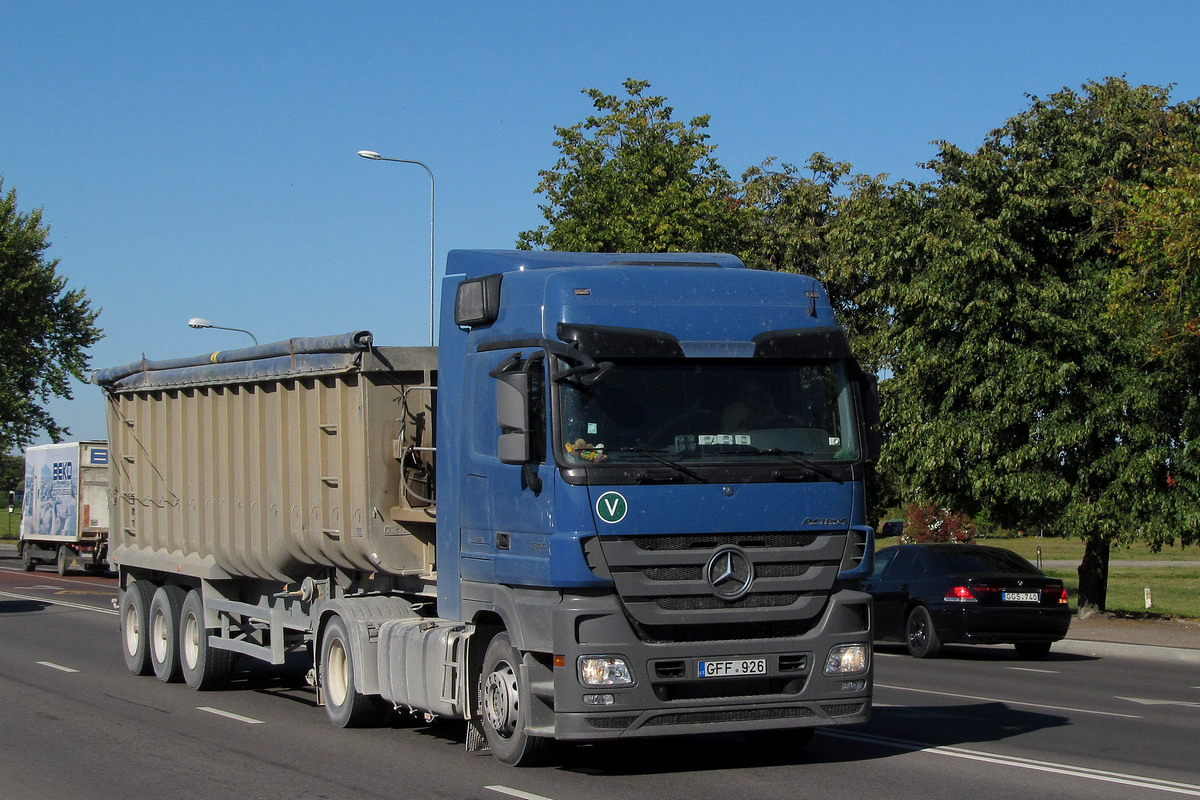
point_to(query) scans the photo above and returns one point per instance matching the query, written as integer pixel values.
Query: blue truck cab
(650, 494)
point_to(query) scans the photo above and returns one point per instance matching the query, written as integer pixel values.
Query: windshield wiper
(661, 459)
(798, 458)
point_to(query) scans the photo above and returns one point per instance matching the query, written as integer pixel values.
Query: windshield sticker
(612, 507)
(723, 438)
(593, 428)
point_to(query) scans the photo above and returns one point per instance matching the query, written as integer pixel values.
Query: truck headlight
(604, 671)
(848, 659)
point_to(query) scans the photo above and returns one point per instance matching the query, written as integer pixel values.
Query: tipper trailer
(624, 497)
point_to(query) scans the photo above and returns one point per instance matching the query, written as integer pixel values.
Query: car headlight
(604, 671)
(848, 659)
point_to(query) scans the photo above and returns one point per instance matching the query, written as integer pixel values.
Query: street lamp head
(197, 322)
(371, 154)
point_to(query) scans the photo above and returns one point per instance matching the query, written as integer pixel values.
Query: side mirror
(512, 413)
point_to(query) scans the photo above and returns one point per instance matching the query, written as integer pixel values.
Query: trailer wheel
(204, 667)
(502, 684)
(135, 626)
(165, 613)
(345, 706)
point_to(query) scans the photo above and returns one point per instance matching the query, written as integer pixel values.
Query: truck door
(507, 507)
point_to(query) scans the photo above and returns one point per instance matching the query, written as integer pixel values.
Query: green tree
(632, 179)
(47, 329)
(1012, 391)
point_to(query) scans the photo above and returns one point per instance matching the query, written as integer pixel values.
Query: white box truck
(64, 515)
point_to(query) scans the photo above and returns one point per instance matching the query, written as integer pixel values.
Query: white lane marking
(1009, 702)
(58, 667)
(1146, 701)
(516, 793)
(1031, 669)
(53, 602)
(231, 715)
(1087, 773)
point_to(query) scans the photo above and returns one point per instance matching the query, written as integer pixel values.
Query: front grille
(711, 541)
(696, 573)
(662, 582)
(611, 723)
(727, 689)
(764, 600)
(733, 715)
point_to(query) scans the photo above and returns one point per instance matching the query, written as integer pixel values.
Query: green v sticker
(611, 507)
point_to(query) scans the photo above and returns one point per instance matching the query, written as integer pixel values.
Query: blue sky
(198, 159)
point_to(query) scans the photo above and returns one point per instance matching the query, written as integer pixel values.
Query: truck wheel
(920, 634)
(345, 706)
(204, 667)
(135, 626)
(501, 688)
(165, 610)
(64, 558)
(27, 562)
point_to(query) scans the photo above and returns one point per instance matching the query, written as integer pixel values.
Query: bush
(931, 523)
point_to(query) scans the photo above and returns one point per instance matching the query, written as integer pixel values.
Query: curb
(1094, 649)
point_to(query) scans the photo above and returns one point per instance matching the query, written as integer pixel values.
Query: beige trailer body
(279, 477)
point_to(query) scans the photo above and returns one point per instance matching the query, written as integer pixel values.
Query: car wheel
(920, 634)
(1033, 651)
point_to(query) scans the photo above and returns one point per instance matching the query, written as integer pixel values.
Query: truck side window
(537, 411)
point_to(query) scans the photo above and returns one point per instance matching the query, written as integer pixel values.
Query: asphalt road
(979, 723)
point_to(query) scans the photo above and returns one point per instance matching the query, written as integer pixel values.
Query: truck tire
(345, 706)
(921, 636)
(502, 685)
(165, 614)
(64, 558)
(27, 562)
(204, 667)
(135, 626)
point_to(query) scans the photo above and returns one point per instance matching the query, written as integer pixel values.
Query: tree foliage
(47, 328)
(631, 179)
(1016, 390)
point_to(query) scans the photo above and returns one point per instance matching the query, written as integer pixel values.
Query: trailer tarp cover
(301, 356)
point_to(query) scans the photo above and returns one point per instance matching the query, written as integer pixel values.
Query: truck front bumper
(670, 693)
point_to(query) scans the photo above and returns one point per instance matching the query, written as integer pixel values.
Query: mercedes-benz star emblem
(730, 573)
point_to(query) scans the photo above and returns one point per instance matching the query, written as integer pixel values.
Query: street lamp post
(373, 156)
(198, 322)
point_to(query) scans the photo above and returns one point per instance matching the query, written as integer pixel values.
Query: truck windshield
(700, 411)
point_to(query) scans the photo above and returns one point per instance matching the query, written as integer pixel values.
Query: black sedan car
(927, 595)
